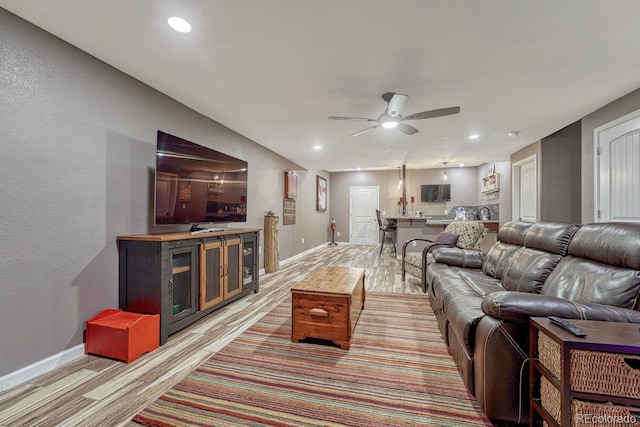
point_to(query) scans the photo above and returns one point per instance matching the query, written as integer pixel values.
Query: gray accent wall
(560, 176)
(78, 157)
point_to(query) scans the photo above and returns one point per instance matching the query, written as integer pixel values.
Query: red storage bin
(122, 335)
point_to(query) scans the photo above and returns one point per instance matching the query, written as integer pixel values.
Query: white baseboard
(41, 367)
(302, 254)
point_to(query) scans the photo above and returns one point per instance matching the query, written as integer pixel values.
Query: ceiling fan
(393, 118)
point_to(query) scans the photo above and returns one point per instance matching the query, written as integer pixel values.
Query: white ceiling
(275, 70)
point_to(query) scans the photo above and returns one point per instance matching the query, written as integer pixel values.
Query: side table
(584, 381)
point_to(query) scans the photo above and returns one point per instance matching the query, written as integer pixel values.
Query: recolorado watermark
(611, 420)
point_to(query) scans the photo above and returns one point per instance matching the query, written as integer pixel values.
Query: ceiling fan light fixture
(389, 124)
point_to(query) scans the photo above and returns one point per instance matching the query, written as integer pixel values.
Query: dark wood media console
(184, 276)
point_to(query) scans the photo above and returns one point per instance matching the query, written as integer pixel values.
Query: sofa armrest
(520, 306)
(457, 257)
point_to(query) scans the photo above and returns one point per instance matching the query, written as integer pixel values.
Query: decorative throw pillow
(447, 238)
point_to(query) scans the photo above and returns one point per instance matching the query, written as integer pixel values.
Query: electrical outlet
(260, 250)
(413, 243)
(338, 233)
(446, 212)
(303, 240)
(384, 213)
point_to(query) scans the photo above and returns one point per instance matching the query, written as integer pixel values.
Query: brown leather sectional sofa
(483, 302)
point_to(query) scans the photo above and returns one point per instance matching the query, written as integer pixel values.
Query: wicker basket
(605, 373)
(591, 414)
(550, 399)
(550, 354)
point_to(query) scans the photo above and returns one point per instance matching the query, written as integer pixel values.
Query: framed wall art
(290, 184)
(321, 193)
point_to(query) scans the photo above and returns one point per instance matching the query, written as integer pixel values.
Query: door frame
(515, 185)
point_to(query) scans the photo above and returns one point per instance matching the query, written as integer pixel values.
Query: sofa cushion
(510, 238)
(498, 258)
(609, 243)
(528, 269)
(514, 232)
(448, 238)
(582, 280)
(550, 237)
(453, 281)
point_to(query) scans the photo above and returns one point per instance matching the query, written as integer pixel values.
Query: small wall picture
(289, 212)
(290, 185)
(321, 193)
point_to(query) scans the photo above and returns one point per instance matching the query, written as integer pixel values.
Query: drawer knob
(319, 312)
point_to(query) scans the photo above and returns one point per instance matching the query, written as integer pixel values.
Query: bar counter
(412, 227)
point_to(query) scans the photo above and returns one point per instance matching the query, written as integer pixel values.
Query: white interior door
(525, 190)
(363, 227)
(617, 170)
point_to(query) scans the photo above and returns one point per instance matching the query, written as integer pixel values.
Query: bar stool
(387, 228)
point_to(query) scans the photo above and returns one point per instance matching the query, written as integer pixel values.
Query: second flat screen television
(435, 193)
(196, 184)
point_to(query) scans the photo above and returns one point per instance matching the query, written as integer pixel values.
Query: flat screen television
(195, 184)
(435, 193)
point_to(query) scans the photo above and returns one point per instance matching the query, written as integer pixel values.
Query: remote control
(567, 326)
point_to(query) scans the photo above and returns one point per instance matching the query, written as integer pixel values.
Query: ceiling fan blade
(362, 119)
(404, 128)
(363, 131)
(433, 113)
(397, 104)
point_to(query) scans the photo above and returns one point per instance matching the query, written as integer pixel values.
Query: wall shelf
(490, 183)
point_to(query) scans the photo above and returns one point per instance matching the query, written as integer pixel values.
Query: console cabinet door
(249, 261)
(212, 275)
(183, 279)
(233, 267)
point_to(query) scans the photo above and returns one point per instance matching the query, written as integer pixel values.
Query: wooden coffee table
(327, 304)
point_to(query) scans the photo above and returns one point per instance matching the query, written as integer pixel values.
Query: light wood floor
(96, 391)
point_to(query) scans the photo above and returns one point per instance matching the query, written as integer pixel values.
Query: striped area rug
(396, 373)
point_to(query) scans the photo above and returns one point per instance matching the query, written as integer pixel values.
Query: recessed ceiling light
(179, 24)
(513, 133)
(317, 147)
(461, 165)
(474, 136)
